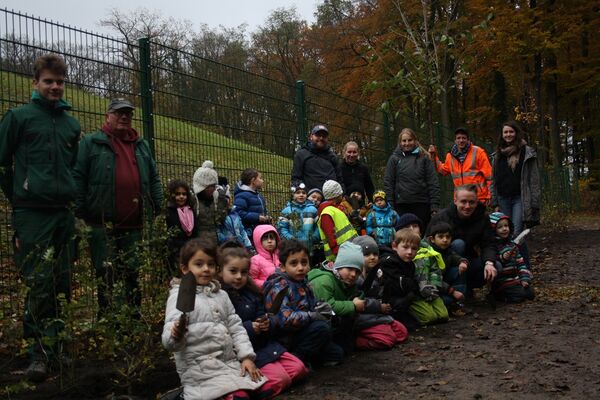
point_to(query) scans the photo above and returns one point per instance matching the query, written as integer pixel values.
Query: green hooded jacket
(38, 149)
(330, 289)
(429, 265)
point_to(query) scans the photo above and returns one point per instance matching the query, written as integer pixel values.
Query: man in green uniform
(38, 149)
(118, 189)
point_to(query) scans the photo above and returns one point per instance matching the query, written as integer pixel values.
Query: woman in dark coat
(410, 181)
(515, 184)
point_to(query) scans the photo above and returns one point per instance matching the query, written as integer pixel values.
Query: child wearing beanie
(382, 221)
(411, 221)
(337, 286)
(298, 218)
(211, 206)
(513, 283)
(334, 226)
(370, 252)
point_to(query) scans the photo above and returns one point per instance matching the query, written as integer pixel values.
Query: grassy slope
(181, 147)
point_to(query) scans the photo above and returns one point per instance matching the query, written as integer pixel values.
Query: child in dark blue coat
(248, 202)
(275, 362)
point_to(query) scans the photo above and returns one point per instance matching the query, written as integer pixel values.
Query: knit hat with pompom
(204, 177)
(332, 189)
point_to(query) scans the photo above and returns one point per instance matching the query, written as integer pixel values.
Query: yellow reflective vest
(343, 230)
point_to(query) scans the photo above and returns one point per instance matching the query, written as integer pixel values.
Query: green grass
(181, 147)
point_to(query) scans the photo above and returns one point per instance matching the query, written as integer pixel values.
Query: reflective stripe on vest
(343, 230)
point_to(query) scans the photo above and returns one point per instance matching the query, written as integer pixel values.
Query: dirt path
(549, 348)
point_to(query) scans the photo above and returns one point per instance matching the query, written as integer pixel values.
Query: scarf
(512, 153)
(186, 218)
(460, 154)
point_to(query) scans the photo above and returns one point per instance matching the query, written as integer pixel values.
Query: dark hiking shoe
(37, 371)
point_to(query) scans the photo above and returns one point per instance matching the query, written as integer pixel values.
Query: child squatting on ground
(213, 354)
(358, 322)
(455, 271)
(279, 366)
(302, 325)
(513, 283)
(393, 279)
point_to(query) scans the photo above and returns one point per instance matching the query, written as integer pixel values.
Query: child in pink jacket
(264, 263)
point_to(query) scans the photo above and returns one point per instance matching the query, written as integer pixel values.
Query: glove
(322, 312)
(325, 309)
(315, 316)
(429, 292)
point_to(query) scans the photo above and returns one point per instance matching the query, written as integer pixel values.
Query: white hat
(204, 177)
(332, 189)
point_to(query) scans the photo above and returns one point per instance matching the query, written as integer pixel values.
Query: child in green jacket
(429, 307)
(358, 322)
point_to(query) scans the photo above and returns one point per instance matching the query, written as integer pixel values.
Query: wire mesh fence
(193, 109)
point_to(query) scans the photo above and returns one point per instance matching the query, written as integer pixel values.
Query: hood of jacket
(398, 152)
(382, 210)
(258, 233)
(239, 187)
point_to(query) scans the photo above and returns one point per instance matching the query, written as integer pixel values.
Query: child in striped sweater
(513, 283)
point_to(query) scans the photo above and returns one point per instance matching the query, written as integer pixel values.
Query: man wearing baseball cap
(316, 162)
(118, 189)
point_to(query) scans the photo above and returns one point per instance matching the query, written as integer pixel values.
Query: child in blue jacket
(249, 203)
(382, 220)
(298, 218)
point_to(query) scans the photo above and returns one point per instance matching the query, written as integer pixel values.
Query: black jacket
(356, 178)
(392, 280)
(476, 231)
(314, 167)
(411, 178)
(177, 237)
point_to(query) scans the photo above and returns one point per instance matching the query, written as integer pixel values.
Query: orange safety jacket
(476, 169)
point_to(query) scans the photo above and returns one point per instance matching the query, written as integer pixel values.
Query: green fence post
(146, 93)
(387, 140)
(302, 128)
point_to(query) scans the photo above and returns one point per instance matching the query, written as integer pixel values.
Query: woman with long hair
(410, 181)
(515, 185)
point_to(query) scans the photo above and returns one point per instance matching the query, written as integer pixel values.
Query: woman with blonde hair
(410, 181)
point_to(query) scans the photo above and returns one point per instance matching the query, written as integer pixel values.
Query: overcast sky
(229, 13)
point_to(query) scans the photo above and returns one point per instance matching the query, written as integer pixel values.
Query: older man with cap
(467, 164)
(316, 162)
(118, 189)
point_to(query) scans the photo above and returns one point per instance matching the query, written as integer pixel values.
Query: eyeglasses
(120, 113)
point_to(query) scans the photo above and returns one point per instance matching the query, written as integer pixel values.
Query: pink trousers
(381, 337)
(281, 374)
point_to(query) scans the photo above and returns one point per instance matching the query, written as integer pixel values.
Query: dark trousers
(44, 257)
(421, 210)
(313, 344)
(115, 258)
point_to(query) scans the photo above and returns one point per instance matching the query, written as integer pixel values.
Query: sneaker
(37, 371)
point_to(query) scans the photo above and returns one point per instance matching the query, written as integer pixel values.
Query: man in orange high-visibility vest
(467, 164)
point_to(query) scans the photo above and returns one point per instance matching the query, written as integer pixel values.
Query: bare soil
(547, 348)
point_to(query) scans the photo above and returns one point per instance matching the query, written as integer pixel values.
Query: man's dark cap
(319, 128)
(461, 130)
(120, 103)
